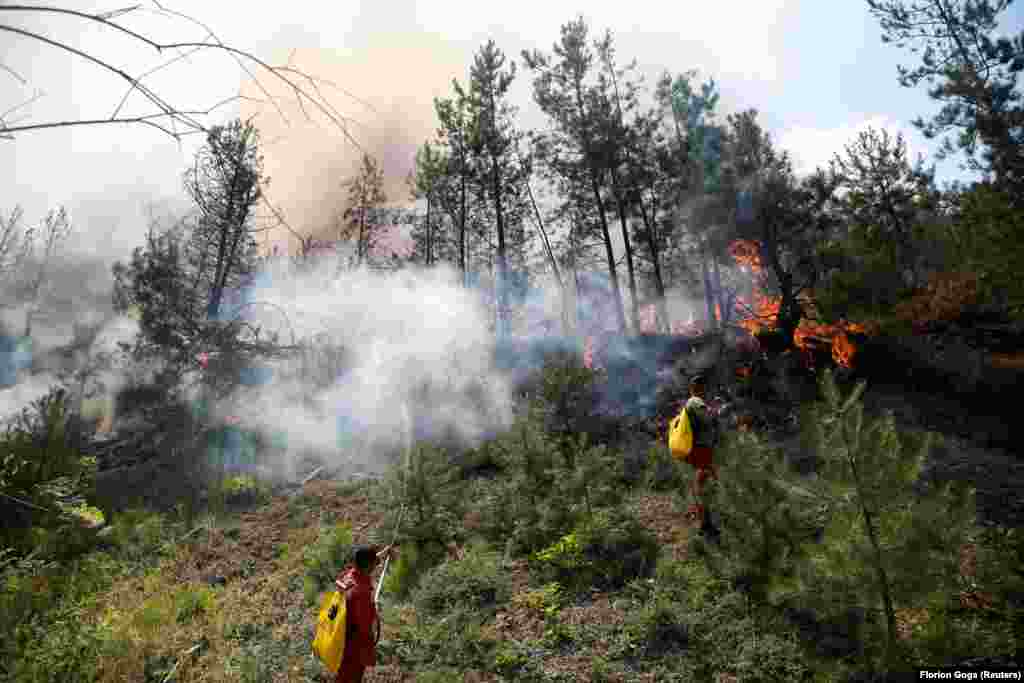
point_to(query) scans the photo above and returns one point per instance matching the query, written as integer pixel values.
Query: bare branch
(12, 72)
(287, 74)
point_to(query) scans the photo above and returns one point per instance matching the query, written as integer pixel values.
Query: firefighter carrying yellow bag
(680, 436)
(329, 644)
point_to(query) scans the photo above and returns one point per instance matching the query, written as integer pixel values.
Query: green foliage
(527, 505)
(140, 535)
(664, 473)
(362, 222)
(36, 453)
(509, 660)
(475, 582)
(986, 240)
(454, 640)
(881, 545)
(972, 71)
(42, 635)
(244, 490)
(325, 558)
(547, 489)
(657, 628)
(604, 551)
(765, 517)
(426, 495)
(564, 399)
(867, 283)
(191, 602)
(545, 600)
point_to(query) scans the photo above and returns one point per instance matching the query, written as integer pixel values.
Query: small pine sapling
(884, 545)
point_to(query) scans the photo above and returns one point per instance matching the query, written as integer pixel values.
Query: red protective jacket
(361, 619)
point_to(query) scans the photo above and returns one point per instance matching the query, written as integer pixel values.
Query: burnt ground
(968, 453)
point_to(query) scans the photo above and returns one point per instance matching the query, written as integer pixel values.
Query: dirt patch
(599, 612)
(660, 513)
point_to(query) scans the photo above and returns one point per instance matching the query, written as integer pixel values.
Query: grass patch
(325, 558)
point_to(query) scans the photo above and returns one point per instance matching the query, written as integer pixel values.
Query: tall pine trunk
(430, 243)
(463, 265)
(502, 279)
(634, 308)
(664, 325)
(551, 258)
(709, 298)
(595, 187)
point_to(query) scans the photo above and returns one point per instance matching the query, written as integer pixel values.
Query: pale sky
(816, 70)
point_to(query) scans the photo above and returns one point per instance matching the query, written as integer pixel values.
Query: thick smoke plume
(416, 352)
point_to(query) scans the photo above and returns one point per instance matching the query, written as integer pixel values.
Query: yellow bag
(680, 436)
(329, 644)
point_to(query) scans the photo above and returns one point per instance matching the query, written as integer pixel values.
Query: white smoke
(413, 339)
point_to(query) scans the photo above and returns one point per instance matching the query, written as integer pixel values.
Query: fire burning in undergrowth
(809, 335)
(758, 314)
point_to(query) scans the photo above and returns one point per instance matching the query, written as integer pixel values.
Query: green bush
(243, 490)
(42, 635)
(542, 497)
(564, 399)
(657, 628)
(605, 551)
(192, 602)
(765, 517)
(476, 582)
(454, 640)
(325, 558)
(141, 535)
(664, 473)
(408, 567)
(37, 450)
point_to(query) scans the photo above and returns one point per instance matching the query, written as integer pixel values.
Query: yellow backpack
(329, 644)
(680, 436)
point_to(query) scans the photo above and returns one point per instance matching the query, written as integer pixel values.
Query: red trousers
(701, 460)
(350, 674)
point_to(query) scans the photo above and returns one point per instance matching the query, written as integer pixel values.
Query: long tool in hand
(401, 513)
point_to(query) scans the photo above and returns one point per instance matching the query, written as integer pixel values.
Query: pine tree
(572, 149)
(226, 182)
(363, 216)
(427, 182)
(494, 142)
(885, 547)
(858, 536)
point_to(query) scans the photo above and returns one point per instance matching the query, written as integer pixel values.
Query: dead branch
(305, 89)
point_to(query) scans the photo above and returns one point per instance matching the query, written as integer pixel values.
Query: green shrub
(605, 551)
(564, 399)
(408, 567)
(325, 558)
(656, 629)
(191, 602)
(42, 634)
(510, 660)
(37, 452)
(243, 490)
(445, 675)
(542, 497)
(476, 582)
(664, 473)
(141, 534)
(545, 600)
(425, 495)
(765, 518)
(454, 640)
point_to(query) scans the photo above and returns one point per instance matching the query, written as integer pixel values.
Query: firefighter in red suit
(704, 421)
(363, 624)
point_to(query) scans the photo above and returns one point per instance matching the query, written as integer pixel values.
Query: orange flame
(746, 253)
(809, 336)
